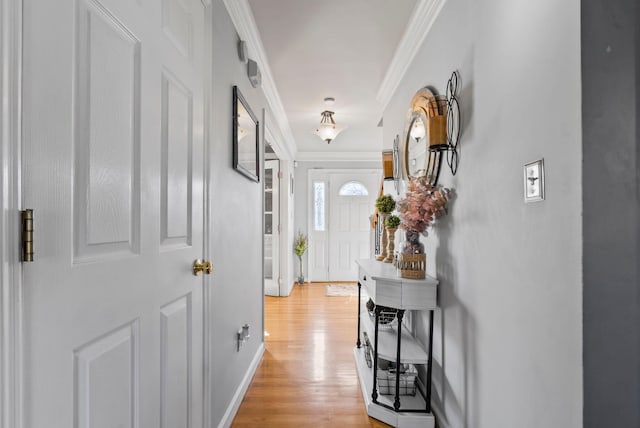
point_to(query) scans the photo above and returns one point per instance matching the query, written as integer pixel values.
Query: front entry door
(352, 200)
(112, 167)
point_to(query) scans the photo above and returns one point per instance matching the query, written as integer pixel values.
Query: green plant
(300, 244)
(392, 222)
(385, 204)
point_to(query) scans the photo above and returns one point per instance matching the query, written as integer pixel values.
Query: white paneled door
(112, 167)
(351, 203)
(341, 203)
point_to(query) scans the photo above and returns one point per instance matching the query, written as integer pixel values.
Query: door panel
(349, 221)
(112, 166)
(176, 173)
(108, 364)
(177, 22)
(176, 338)
(106, 193)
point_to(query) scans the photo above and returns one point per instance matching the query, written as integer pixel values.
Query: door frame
(276, 276)
(207, 185)
(285, 204)
(310, 178)
(11, 351)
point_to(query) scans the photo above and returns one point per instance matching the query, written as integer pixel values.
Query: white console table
(397, 344)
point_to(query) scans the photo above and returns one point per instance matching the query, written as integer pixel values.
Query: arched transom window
(353, 188)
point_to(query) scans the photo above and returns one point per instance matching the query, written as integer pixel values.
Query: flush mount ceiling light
(327, 130)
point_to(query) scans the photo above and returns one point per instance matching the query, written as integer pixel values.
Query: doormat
(341, 290)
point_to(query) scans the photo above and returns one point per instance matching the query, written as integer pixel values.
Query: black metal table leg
(430, 361)
(396, 403)
(374, 394)
(358, 343)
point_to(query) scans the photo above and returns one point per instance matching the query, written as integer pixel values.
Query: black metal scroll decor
(453, 122)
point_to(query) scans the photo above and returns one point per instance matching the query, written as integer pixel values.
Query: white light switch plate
(534, 181)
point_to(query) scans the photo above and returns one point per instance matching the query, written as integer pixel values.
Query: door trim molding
(207, 346)
(276, 227)
(11, 352)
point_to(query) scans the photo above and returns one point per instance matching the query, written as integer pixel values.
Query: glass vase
(412, 244)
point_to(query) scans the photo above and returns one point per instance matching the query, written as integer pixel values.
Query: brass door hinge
(27, 235)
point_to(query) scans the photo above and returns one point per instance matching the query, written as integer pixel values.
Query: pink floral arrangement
(422, 205)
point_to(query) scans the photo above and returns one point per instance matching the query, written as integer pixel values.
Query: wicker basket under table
(412, 266)
(387, 381)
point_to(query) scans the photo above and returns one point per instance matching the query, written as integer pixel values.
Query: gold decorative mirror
(425, 136)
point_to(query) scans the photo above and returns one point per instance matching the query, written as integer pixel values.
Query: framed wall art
(246, 138)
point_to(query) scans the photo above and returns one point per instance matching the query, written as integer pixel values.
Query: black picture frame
(246, 138)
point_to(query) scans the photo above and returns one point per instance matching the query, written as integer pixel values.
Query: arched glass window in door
(353, 188)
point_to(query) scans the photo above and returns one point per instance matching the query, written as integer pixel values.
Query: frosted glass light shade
(327, 130)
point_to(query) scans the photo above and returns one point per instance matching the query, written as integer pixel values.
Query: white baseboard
(442, 421)
(435, 409)
(227, 419)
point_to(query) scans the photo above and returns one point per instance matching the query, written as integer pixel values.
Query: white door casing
(272, 227)
(10, 204)
(112, 166)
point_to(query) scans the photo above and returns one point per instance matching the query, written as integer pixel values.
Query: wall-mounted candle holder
(432, 132)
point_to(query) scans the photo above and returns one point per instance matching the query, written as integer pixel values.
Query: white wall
(236, 226)
(507, 345)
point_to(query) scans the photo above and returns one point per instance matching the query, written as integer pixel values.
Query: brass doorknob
(202, 266)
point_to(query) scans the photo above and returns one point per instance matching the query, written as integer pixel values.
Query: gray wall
(301, 196)
(236, 225)
(610, 50)
(508, 333)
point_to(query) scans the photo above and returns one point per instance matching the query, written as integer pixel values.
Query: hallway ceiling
(331, 48)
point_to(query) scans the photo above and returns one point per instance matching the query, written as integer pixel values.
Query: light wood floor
(307, 376)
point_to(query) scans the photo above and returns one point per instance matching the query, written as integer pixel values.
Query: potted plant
(300, 247)
(392, 222)
(385, 204)
(422, 205)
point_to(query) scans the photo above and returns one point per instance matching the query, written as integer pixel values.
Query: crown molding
(274, 137)
(242, 18)
(423, 16)
(339, 156)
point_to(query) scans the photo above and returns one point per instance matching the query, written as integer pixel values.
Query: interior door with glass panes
(271, 228)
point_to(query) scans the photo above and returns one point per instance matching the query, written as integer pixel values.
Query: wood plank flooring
(307, 376)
